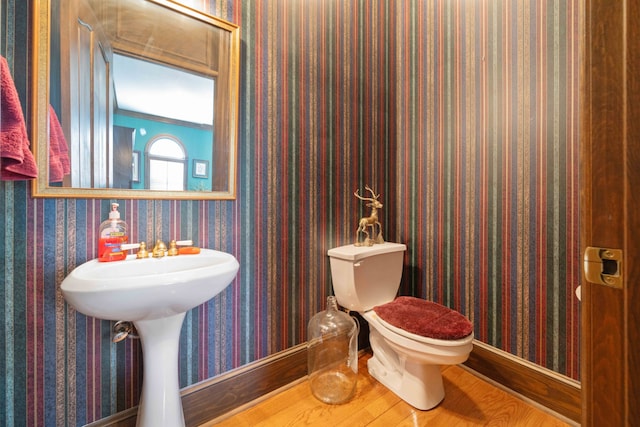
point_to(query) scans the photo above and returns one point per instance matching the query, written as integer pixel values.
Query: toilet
(410, 337)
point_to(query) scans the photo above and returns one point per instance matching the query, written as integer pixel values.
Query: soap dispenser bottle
(113, 233)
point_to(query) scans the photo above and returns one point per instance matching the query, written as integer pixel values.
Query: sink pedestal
(160, 402)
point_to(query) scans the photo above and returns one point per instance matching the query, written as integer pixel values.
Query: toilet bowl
(407, 363)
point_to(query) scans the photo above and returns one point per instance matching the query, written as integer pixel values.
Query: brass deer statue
(369, 221)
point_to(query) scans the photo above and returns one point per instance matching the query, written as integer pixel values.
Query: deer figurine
(369, 221)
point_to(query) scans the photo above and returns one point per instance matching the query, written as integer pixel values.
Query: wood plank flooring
(469, 401)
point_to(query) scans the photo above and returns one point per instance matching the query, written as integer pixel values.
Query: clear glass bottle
(333, 354)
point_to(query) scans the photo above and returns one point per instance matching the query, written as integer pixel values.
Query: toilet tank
(366, 276)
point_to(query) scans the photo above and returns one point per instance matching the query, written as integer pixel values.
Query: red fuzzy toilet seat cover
(425, 318)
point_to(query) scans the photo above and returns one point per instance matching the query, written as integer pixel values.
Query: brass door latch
(603, 266)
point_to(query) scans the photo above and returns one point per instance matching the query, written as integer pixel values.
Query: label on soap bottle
(109, 246)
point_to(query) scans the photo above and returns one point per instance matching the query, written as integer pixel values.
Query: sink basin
(154, 294)
(150, 288)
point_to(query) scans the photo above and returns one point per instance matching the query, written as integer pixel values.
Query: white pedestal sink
(154, 294)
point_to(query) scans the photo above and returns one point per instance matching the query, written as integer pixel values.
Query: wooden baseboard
(543, 386)
(223, 394)
(214, 398)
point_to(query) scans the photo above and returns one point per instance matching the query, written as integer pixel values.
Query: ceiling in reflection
(187, 98)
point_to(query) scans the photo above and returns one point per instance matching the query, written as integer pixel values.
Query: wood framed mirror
(129, 96)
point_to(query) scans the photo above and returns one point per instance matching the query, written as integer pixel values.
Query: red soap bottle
(113, 233)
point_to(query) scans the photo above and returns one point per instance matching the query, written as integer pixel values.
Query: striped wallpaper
(486, 112)
(462, 114)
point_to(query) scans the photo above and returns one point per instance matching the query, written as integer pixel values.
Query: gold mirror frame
(40, 106)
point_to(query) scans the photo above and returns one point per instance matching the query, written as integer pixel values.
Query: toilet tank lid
(355, 253)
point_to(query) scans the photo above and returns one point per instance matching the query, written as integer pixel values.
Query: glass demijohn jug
(333, 354)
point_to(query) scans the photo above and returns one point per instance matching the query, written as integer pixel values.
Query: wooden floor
(469, 401)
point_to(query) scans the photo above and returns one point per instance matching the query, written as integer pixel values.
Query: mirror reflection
(165, 128)
(143, 96)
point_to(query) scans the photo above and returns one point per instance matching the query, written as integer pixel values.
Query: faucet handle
(142, 252)
(173, 246)
(141, 247)
(173, 249)
(129, 246)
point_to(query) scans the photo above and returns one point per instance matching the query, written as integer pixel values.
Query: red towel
(16, 159)
(59, 164)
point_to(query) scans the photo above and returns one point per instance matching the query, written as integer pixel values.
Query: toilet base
(417, 383)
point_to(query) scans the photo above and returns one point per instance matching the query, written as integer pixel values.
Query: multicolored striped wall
(462, 114)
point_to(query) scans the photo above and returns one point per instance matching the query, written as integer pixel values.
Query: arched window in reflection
(166, 163)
